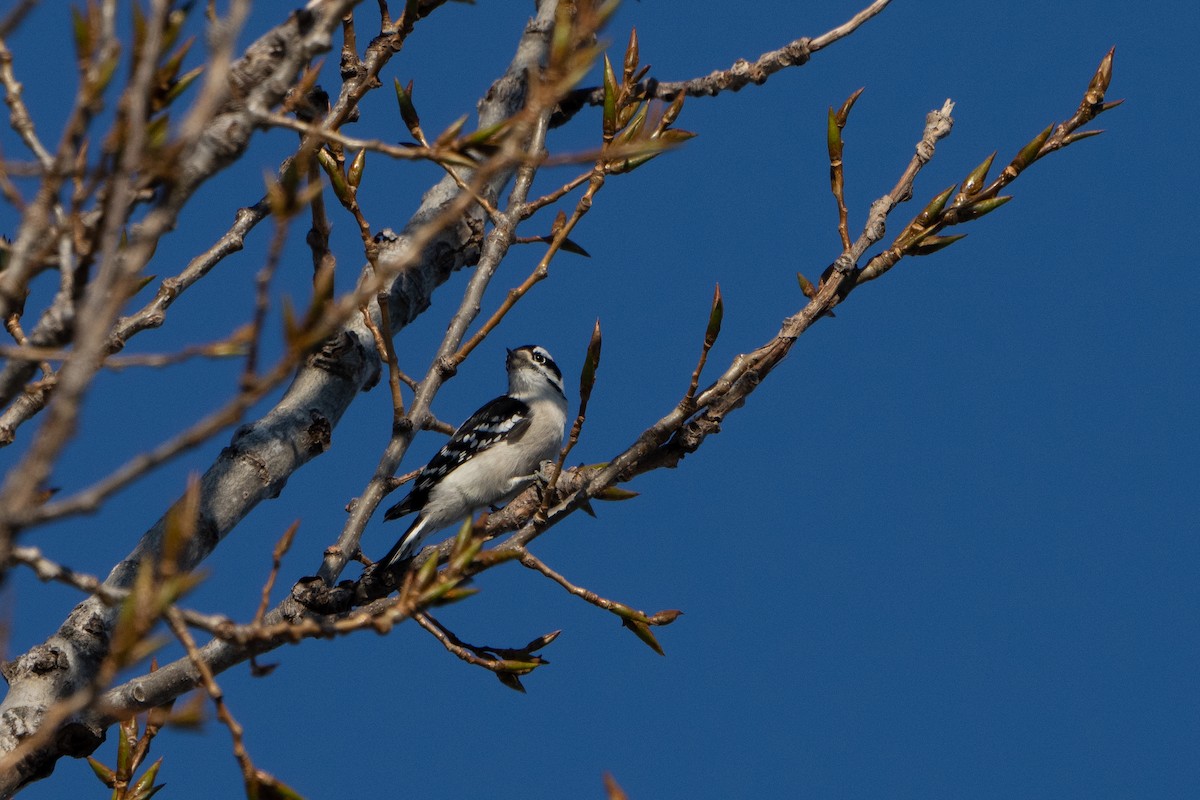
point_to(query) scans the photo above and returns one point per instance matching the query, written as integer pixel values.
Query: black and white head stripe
(536, 359)
(500, 419)
(540, 355)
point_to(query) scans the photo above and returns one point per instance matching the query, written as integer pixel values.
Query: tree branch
(740, 75)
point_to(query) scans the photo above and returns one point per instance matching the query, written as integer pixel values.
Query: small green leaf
(833, 136)
(977, 210)
(610, 99)
(674, 136)
(271, 788)
(666, 617)
(511, 681)
(408, 112)
(145, 784)
(843, 113)
(1029, 152)
(156, 132)
(642, 631)
(488, 135)
(153, 790)
(427, 571)
(1100, 81)
(542, 641)
(714, 318)
(337, 181)
(170, 68)
(454, 158)
(456, 595)
(672, 112)
(631, 56)
(440, 590)
(974, 181)
(1078, 135)
(171, 30)
(181, 85)
(632, 119)
(107, 68)
(562, 34)
(82, 30)
(141, 283)
(463, 558)
(354, 176)
(571, 247)
(614, 494)
(451, 133)
(591, 362)
(127, 737)
(932, 244)
(463, 537)
(931, 211)
(106, 775)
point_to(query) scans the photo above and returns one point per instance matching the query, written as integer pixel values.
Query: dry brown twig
(508, 664)
(250, 775)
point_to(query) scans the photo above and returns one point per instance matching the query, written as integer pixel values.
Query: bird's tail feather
(404, 548)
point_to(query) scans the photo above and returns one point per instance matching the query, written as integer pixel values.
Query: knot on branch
(796, 54)
(317, 436)
(42, 660)
(446, 367)
(78, 740)
(312, 593)
(342, 355)
(319, 598)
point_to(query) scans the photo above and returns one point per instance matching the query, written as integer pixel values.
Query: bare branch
(743, 73)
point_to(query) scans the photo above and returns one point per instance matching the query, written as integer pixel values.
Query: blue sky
(949, 549)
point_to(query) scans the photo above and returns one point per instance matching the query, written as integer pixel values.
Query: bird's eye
(538, 357)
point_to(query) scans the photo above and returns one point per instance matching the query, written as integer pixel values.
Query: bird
(492, 456)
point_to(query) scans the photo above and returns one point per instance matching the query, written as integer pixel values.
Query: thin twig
(224, 348)
(19, 116)
(534, 563)
(387, 354)
(262, 301)
(281, 548)
(533, 206)
(15, 16)
(711, 331)
(209, 682)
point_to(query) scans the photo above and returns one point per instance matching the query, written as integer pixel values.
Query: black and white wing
(500, 419)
